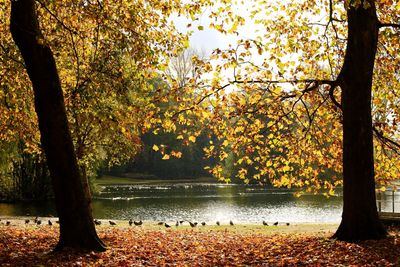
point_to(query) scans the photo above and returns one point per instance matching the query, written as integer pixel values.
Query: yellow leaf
(179, 137)
(155, 148)
(192, 138)
(166, 157)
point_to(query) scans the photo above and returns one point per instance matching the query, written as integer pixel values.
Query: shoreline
(240, 228)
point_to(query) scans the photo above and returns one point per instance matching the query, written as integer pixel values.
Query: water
(200, 202)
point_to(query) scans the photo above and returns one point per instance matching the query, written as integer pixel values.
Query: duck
(138, 223)
(265, 223)
(112, 223)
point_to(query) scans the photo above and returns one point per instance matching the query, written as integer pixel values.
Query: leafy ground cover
(30, 245)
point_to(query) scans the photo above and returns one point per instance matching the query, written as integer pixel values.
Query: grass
(302, 228)
(113, 180)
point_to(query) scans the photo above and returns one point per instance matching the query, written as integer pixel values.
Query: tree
(360, 218)
(72, 205)
(105, 53)
(306, 62)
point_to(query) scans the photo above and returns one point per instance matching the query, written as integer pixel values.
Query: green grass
(306, 228)
(302, 228)
(113, 180)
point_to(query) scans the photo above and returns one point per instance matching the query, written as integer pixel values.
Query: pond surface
(199, 202)
(206, 202)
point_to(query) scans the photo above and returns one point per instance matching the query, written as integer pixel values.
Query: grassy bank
(308, 228)
(113, 180)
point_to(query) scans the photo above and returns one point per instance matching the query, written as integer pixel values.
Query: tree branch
(392, 25)
(332, 96)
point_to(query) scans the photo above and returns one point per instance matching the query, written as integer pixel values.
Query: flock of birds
(38, 221)
(178, 223)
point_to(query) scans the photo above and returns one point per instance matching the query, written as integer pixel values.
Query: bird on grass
(96, 222)
(218, 223)
(112, 223)
(275, 223)
(265, 223)
(38, 222)
(167, 225)
(181, 222)
(177, 224)
(27, 221)
(231, 223)
(50, 223)
(160, 223)
(8, 223)
(36, 219)
(203, 223)
(287, 224)
(58, 222)
(130, 222)
(192, 224)
(138, 223)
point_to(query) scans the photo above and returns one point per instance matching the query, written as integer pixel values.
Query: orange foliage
(140, 247)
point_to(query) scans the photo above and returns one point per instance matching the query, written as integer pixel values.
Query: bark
(360, 220)
(77, 229)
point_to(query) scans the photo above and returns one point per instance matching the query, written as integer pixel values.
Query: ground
(225, 245)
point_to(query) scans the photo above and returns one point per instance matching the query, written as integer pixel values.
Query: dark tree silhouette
(73, 206)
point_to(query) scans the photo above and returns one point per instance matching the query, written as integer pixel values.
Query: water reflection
(201, 202)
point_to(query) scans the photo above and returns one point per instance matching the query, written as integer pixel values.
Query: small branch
(384, 139)
(392, 25)
(332, 96)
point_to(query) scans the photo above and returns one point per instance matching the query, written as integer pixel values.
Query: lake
(207, 202)
(199, 202)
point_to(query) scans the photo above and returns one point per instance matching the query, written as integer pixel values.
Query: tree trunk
(76, 223)
(360, 220)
